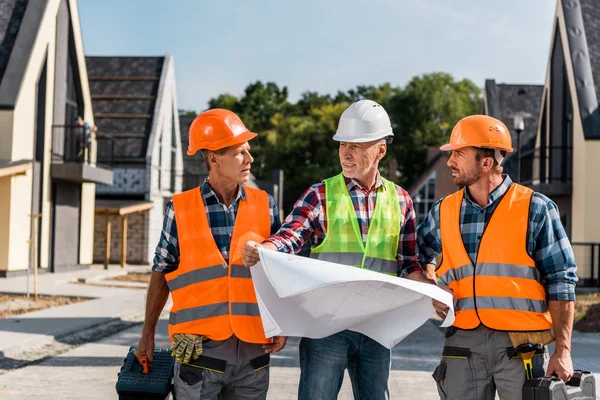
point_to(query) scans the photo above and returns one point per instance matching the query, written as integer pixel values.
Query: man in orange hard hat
(507, 259)
(218, 337)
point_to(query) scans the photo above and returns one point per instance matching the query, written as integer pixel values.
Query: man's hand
(145, 347)
(440, 308)
(561, 365)
(275, 346)
(250, 254)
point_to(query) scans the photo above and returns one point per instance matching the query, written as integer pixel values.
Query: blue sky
(221, 46)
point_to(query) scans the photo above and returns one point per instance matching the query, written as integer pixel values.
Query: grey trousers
(235, 379)
(244, 383)
(476, 365)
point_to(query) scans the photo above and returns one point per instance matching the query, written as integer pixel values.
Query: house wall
(159, 151)
(137, 238)
(18, 131)
(585, 220)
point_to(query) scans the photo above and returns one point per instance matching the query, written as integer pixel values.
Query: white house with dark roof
(48, 167)
(567, 148)
(135, 108)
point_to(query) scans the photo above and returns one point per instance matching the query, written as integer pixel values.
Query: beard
(467, 178)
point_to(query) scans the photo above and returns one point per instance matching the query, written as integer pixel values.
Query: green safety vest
(343, 242)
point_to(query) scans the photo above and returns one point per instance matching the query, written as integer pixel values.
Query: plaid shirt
(308, 222)
(546, 238)
(221, 220)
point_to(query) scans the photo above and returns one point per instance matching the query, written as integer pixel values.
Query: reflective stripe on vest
(343, 242)
(502, 290)
(210, 297)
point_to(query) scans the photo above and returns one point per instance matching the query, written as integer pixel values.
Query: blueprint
(299, 296)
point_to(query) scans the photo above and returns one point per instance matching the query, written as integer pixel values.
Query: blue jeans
(323, 361)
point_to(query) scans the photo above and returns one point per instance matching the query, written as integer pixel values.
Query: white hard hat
(363, 121)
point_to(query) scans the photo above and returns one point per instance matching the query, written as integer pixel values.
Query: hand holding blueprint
(299, 296)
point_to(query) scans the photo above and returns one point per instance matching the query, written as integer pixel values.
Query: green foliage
(298, 137)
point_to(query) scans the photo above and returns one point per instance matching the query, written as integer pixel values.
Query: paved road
(90, 371)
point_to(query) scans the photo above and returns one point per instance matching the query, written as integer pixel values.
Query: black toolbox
(134, 384)
(581, 387)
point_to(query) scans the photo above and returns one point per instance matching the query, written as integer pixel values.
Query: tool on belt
(187, 347)
(526, 344)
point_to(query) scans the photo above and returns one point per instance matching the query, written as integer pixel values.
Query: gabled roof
(124, 92)
(504, 100)
(11, 15)
(19, 24)
(582, 22)
(590, 11)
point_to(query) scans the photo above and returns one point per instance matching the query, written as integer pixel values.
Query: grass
(132, 277)
(587, 312)
(11, 304)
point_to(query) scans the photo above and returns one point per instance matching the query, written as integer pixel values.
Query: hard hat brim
(450, 147)
(340, 137)
(239, 139)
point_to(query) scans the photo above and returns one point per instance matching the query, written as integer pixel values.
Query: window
(424, 198)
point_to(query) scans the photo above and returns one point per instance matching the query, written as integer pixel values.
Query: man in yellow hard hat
(507, 258)
(218, 337)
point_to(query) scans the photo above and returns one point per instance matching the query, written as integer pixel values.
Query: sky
(221, 46)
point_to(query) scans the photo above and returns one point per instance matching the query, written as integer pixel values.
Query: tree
(423, 114)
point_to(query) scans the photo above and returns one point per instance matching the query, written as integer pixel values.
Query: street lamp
(519, 125)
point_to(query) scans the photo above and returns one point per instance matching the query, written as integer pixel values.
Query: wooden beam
(122, 116)
(123, 78)
(123, 240)
(18, 169)
(107, 248)
(122, 97)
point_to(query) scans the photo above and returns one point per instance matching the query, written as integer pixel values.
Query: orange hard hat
(479, 131)
(216, 129)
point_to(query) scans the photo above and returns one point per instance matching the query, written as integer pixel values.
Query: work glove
(186, 347)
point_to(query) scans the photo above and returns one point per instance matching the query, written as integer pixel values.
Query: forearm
(156, 298)
(562, 313)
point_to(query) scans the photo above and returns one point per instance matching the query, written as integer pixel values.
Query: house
(48, 168)
(135, 109)
(195, 170)
(565, 158)
(435, 183)
(504, 102)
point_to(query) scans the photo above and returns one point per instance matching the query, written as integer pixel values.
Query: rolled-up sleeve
(552, 250)
(408, 254)
(299, 224)
(166, 255)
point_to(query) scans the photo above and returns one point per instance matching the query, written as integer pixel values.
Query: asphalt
(119, 307)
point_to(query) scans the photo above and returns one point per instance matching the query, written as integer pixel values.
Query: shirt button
(481, 211)
(479, 237)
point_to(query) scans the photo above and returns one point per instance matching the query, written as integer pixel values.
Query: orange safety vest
(502, 290)
(211, 298)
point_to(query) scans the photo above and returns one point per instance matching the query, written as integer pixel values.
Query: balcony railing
(554, 165)
(587, 257)
(71, 144)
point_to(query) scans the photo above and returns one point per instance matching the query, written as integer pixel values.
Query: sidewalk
(35, 329)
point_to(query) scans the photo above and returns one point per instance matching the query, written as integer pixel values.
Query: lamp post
(519, 127)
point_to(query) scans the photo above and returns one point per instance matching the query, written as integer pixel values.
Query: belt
(218, 365)
(512, 353)
(463, 352)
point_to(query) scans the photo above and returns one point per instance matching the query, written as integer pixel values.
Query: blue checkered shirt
(221, 220)
(546, 238)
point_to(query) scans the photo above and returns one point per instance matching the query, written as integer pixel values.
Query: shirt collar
(497, 193)
(351, 183)
(207, 191)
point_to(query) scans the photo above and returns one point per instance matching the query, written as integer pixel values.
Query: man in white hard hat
(355, 218)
